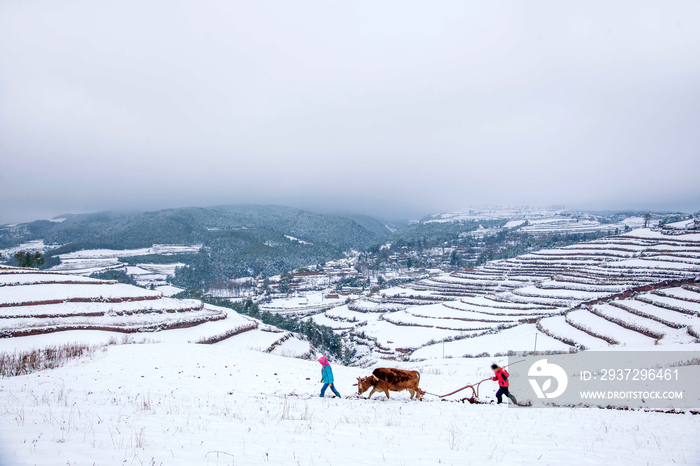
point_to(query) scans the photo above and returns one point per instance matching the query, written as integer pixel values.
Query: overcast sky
(388, 108)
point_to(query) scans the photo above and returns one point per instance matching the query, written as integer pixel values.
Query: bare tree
(646, 217)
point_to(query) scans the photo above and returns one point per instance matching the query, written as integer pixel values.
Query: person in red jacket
(501, 376)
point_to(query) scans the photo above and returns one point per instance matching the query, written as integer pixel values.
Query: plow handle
(472, 385)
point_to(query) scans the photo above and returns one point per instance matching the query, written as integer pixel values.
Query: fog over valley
(394, 110)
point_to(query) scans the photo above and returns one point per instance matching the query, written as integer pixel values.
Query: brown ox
(396, 380)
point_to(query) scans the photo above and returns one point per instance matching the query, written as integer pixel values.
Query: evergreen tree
(27, 259)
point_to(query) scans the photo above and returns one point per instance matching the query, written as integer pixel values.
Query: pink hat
(324, 362)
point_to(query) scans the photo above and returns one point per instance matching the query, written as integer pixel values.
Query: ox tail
(420, 392)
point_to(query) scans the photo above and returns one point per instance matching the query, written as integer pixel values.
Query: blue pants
(326, 385)
(504, 391)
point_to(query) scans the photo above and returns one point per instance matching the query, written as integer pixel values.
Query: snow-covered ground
(494, 213)
(34, 302)
(514, 223)
(537, 221)
(169, 290)
(521, 338)
(90, 261)
(304, 302)
(186, 404)
(59, 291)
(682, 225)
(537, 288)
(245, 398)
(30, 246)
(165, 249)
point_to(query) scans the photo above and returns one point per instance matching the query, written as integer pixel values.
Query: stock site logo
(541, 369)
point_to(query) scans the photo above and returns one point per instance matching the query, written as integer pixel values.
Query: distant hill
(238, 240)
(371, 224)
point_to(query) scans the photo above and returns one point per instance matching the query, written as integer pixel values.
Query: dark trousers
(326, 385)
(503, 391)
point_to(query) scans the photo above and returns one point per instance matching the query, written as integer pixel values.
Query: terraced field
(40, 308)
(87, 262)
(34, 302)
(658, 317)
(588, 295)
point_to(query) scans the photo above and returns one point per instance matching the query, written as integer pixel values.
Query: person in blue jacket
(327, 376)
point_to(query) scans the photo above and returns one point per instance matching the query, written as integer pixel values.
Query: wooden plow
(474, 399)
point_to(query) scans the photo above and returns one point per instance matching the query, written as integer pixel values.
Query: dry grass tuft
(26, 362)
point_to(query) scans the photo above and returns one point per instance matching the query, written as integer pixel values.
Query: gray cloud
(383, 107)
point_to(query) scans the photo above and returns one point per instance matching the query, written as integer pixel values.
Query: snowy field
(541, 286)
(91, 261)
(30, 246)
(33, 302)
(537, 221)
(520, 338)
(303, 302)
(248, 399)
(183, 404)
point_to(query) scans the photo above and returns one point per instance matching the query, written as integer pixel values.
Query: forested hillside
(237, 240)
